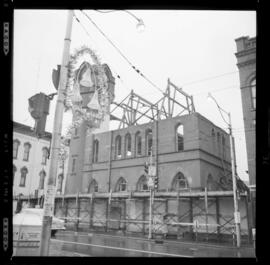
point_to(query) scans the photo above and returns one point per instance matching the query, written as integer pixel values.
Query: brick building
(189, 146)
(246, 62)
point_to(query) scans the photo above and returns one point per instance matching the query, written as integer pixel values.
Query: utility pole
(56, 138)
(151, 200)
(237, 219)
(235, 197)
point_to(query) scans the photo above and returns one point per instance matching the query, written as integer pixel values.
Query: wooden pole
(178, 207)
(143, 214)
(124, 215)
(191, 214)
(91, 212)
(66, 211)
(150, 214)
(110, 162)
(248, 219)
(107, 213)
(206, 212)
(217, 217)
(78, 211)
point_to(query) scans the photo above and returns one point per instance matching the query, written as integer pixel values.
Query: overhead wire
(210, 78)
(122, 54)
(85, 30)
(137, 70)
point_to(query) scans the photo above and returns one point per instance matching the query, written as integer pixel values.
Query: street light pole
(151, 201)
(236, 208)
(233, 164)
(56, 138)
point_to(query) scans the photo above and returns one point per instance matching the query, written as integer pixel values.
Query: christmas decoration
(93, 114)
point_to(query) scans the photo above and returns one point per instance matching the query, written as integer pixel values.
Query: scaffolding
(84, 212)
(135, 110)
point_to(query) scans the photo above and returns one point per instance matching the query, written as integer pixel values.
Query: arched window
(60, 183)
(26, 153)
(218, 142)
(73, 165)
(223, 146)
(118, 147)
(210, 184)
(138, 144)
(213, 132)
(16, 144)
(121, 185)
(75, 131)
(128, 144)
(253, 93)
(218, 138)
(24, 171)
(14, 172)
(180, 138)
(45, 153)
(142, 184)
(149, 142)
(95, 150)
(42, 176)
(93, 186)
(179, 182)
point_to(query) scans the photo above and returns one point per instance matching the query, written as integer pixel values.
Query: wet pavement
(100, 245)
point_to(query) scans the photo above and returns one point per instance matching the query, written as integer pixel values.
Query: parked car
(33, 217)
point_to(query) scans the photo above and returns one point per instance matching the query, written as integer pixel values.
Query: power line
(209, 78)
(85, 30)
(137, 70)
(125, 58)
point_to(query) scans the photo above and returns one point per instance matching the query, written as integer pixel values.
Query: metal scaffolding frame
(135, 110)
(79, 212)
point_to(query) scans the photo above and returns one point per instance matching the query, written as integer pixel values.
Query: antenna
(38, 71)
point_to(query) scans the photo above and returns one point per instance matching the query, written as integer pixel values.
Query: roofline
(25, 129)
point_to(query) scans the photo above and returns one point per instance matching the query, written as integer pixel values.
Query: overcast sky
(195, 49)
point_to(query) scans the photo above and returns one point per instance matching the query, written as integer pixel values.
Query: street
(69, 243)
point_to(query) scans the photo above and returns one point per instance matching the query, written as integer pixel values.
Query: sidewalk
(180, 240)
(59, 247)
(158, 239)
(56, 251)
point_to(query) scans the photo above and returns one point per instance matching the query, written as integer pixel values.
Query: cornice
(245, 52)
(245, 63)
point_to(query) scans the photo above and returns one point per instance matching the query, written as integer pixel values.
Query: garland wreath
(73, 100)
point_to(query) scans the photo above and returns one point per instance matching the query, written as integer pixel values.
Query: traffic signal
(146, 168)
(56, 76)
(156, 183)
(38, 108)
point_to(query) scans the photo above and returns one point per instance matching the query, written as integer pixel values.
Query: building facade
(246, 62)
(189, 151)
(31, 163)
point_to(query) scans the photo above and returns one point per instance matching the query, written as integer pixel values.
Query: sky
(195, 49)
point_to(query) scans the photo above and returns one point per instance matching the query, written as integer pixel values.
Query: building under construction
(107, 183)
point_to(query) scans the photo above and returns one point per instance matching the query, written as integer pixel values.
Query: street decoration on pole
(84, 75)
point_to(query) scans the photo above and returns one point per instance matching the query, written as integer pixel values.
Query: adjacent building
(246, 62)
(31, 163)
